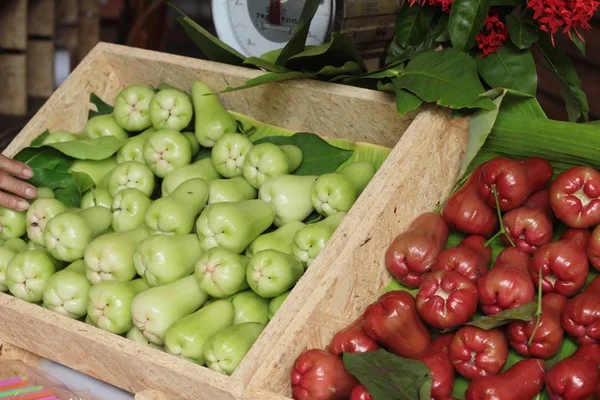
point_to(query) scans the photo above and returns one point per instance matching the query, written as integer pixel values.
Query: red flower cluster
(568, 15)
(446, 5)
(492, 35)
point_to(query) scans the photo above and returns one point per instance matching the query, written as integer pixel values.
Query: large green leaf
(264, 64)
(509, 68)
(526, 312)
(580, 44)
(406, 101)
(466, 19)
(339, 50)
(298, 41)
(101, 107)
(522, 33)
(448, 77)
(387, 376)
(87, 149)
(567, 349)
(268, 78)
(413, 23)
(557, 61)
(522, 105)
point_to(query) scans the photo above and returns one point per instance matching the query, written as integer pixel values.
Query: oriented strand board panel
(40, 68)
(13, 24)
(13, 84)
(40, 18)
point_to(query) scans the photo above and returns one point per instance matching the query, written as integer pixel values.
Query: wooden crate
(418, 173)
(40, 18)
(40, 67)
(13, 84)
(13, 24)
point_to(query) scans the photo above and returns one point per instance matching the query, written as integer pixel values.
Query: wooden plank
(67, 12)
(13, 84)
(13, 24)
(40, 18)
(40, 68)
(89, 27)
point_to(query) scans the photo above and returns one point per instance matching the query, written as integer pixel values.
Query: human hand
(13, 191)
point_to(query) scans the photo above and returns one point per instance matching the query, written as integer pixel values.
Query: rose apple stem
(538, 312)
(502, 230)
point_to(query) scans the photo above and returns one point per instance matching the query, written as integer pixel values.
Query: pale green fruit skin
(186, 337)
(280, 239)
(133, 149)
(233, 225)
(221, 272)
(128, 209)
(230, 190)
(6, 256)
(276, 303)
(175, 213)
(12, 223)
(266, 160)
(228, 154)
(31, 245)
(165, 151)
(110, 257)
(360, 174)
(68, 234)
(201, 169)
(333, 193)
(97, 197)
(131, 174)
(171, 109)
(44, 193)
(162, 259)
(104, 125)
(250, 307)
(28, 274)
(67, 291)
(97, 170)
(194, 145)
(156, 309)
(224, 351)
(212, 119)
(132, 106)
(109, 305)
(271, 273)
(39, 213)
(135, 335)
(59, 137)
(311, 240)
(16, 244)
(290, 196)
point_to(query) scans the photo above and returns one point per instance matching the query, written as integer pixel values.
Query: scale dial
(254, 27)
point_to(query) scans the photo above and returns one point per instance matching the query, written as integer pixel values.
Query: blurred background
(41, 41)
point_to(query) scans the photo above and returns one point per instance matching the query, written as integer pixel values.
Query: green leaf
(101, 107)
(164, 86)
(271, 56)
(466, 19)
(387, 376)
(526, 312)
(460, 388)
(210, 46)
(517, 104)
(442, 33)
(319, 157)
(63, 183)
(88, 149)
(413, 23)
(45, 157)
(425, 391)
(522, 33)
(570, 86)
(509, 68)
(580, 44)
(329, 72)
(83, 181)
(313, 217)
(567, 349)
(259, 129)
(263, 64)
(339, 50)
(37, 142)
(297, 43)
(448, 77)
(406, 101)
(269, 77)
(395, 285)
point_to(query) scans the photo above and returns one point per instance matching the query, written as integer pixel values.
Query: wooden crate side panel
(40, 68)
(359, 114)
(40, 17)
(108, 357)
(419, 173)
(13, 82)
(13, 24)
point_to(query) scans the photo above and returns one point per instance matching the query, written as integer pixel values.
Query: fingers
(16, 186)
(15, 168)
(13, 202)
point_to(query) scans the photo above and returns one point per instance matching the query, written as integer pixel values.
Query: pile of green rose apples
(196, 265)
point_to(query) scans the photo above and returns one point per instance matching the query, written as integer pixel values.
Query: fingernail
(30, 192)
(23, 205)
(27, 172)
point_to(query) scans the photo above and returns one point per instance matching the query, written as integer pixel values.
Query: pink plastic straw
(10, 382)
(49, 398)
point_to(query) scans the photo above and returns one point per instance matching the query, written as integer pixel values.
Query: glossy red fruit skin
(514, 180)
(549, 334)
(541, 199)
(447, 299)
(476, 353)
(575, 377)
(575, 197)
(319, 375)
(528, 228)
(508, 284)
(437, 359)
(581, 318)
(352, 339)
(467, 212)
(594, 285)
(524, 380)
(593, 248)
(360, 393)
(386, 320)
(411, 254)
(564, 265)
(470, 258)
(581, 237)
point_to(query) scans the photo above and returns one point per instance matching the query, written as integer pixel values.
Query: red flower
(492, 35)
(569, 15)
(446, 5)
